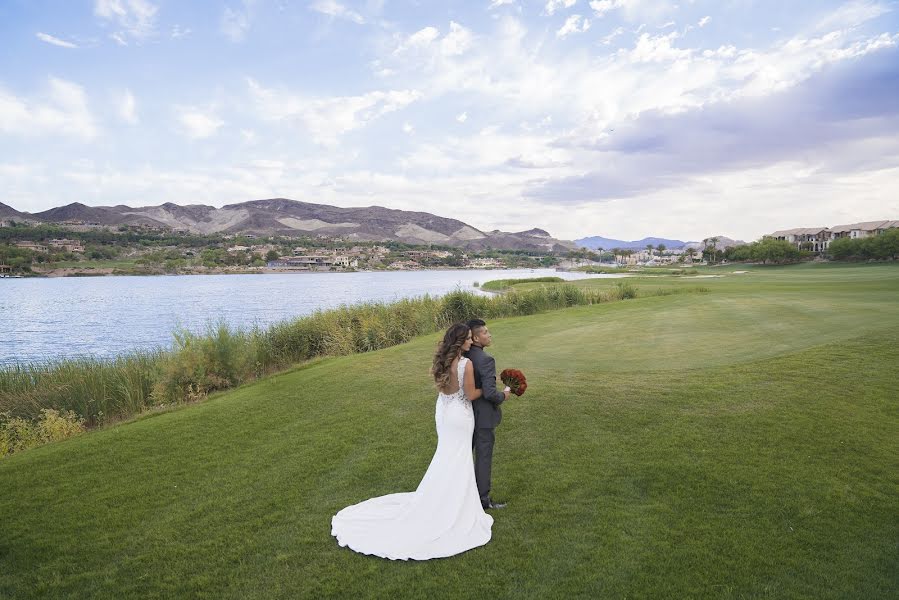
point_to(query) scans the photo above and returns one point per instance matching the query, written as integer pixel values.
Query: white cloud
(573, 24)
(704, 21)
(61, 110)
(235, 22)
(135, 18)
(615, 33)
(553, 5)
(462, 117)
(46, 37)
(179, 32)
(498, 3)
(634, 10)
(420, 39)
(127, 107)
(458, 41)
(852, 14)
(328, 118)
(337, 10)
(601, 7)
(118, 38)
(408, 128)
(197, 124)
(658, 49)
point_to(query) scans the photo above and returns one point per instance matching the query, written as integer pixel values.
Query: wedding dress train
(443, 516)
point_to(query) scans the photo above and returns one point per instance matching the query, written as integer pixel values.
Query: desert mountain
(723, 243)
(595, 242)
(8, 212)
(280, 216)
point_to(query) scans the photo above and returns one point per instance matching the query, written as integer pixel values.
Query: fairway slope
(740, 443)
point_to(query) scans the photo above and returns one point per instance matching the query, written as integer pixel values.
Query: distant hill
(723, 243)
(596, 241)
(8, 212)
(281, 216)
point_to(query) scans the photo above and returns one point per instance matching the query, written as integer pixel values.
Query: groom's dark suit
(487, 415)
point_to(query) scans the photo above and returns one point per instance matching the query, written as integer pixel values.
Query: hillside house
(33, 246)
(66, 245)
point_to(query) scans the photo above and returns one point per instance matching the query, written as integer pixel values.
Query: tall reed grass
(94, 391)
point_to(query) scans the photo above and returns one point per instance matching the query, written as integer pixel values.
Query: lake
(52, 318)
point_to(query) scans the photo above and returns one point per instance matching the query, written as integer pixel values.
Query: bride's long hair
(447, 351)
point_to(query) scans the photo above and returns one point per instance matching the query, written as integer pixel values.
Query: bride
(443, 516)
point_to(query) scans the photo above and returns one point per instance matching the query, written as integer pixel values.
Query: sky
(620, 118)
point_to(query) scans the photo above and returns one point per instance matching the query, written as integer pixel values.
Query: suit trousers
(482, 444)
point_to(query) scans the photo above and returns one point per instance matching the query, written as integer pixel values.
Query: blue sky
(622, 118)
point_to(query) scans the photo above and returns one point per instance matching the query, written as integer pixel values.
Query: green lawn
(738, 444)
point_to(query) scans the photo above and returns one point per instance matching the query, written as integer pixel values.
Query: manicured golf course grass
(739, 443)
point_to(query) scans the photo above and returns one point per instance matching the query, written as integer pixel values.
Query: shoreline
(111, 272)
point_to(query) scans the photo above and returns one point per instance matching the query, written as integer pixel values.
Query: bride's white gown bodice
(443, 516)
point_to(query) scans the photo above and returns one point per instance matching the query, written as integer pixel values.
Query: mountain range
(280, 216)
(595, 242)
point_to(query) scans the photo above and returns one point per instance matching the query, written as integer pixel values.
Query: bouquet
(515, 380)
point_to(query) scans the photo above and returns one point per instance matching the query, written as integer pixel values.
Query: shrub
(49, 401)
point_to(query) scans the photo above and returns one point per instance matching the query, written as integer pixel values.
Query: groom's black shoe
(491, 505)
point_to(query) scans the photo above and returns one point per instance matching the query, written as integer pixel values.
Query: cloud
(634, 10)
(573, 24)
(179, 32)
(658, 49)
(420, 39)
(601, 7)
(136, 19)
(61, 110)
(704, 21)
(498, 3)
(614, 34)
(852, 14)
(461, 118)
(835, 122)
(197, 124)
(127, 107)
(45, 37)
(328, 118)
(458, 41)
(337, 10)
(235, 22)
(553, 5)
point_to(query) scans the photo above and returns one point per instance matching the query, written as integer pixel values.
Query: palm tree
(710, 248)
(661, 248)
(649, 247)
(690, 251)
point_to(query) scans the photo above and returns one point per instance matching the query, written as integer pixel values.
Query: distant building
(316, 262)
(33, 246)
(817, 239)
(67, 245)
(485, 263)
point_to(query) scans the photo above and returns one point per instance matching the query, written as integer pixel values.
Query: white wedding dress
(443, 516)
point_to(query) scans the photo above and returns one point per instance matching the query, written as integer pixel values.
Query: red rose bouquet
(515, 380)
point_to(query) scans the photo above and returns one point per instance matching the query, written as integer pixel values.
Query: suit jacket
(487, 411)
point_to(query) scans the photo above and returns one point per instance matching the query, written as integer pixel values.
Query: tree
(649, 248)
(710, 248)
(272, 255)
(774, 251)
(661, 248)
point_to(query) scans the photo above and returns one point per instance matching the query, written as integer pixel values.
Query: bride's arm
(471, 392)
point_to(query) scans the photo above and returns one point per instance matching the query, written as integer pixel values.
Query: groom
(487, 413)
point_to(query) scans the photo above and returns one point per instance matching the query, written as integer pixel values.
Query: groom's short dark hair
(474, 324)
